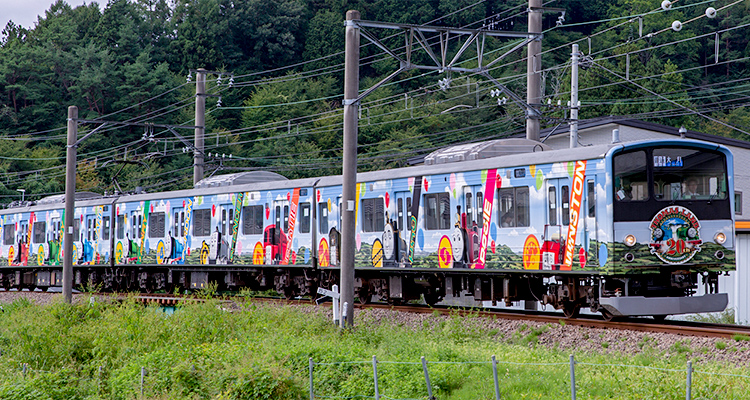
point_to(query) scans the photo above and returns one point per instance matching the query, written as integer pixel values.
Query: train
(623, 229)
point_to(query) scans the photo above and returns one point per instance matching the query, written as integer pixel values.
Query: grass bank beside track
(208, 350)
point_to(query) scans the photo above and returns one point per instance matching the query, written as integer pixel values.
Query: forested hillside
(276, 95)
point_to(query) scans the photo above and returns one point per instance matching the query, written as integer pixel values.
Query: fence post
(143, 375)
(494, 374)
(312, 395)
(375, 375)
(572, 377)
(689, 383)
(427, 379)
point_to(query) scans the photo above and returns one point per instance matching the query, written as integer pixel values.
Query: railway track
(677, 327)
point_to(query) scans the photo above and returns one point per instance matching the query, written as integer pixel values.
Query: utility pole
(574, 97)
(200, 122)
(70, 195)
(533, 74)
(351, 125)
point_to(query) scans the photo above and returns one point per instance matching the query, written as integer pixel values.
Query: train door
(89, 237)
(558, 218)
(220, 239)
(134, 239)
(54, 242)
(473, 205)
(591, 228)
(276, 242)
(403, 216)
(340, 215)
(334, 233)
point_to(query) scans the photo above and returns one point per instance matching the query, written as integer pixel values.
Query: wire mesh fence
(493, 379)
(560, 380)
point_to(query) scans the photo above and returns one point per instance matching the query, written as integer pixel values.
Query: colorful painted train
(623, 229)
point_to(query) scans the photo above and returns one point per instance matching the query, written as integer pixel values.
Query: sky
(25, 12)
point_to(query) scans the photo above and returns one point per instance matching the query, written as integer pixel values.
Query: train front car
(672, 226)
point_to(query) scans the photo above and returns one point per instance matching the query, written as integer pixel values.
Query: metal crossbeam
(416, 35)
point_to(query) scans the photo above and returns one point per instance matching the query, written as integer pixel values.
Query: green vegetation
(724, 317)
(204, 351)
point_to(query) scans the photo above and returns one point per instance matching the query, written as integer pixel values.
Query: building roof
(564, 129)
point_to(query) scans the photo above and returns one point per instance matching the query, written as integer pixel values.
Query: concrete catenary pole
(351, 125)
(70, 196)
(533, 71)
(200, 121)
(574, 97)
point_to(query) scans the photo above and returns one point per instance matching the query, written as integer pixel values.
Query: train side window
(480, 210)
(105, 228)
(437, 211)
(304, 217)
(445, 211)
(9, 234)
(278, 217)
(522, 207)
(630, 176)
(507, 211)
(121, 227)
(182, 224)
(202, 222)
(134, 226)
(400, 213)
(176, 223)
(591, 197)
(738, 203)
(252, 220)
(89, 227)
(430, 211)
(552, 201)
(23, 232)
(373, 215)
(136, 229)
(469, 209)
(76, 228)
(223, 221)
(39, 234)
(156, 222)
(286, 218)
(408, 214)
(231, 221)
(565, 198)
(323, 218)
(514, 207)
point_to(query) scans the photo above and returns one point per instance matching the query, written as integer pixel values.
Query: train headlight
(720, 238)
(630, 240)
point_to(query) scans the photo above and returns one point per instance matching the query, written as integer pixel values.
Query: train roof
(503, 161)
(486, 149)
(240, 178)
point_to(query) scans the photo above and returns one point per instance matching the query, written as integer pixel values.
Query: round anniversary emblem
(675, 235)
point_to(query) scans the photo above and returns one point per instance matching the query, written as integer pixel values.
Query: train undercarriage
(657, 295)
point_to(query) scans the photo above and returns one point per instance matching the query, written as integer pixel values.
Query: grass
(203, 351)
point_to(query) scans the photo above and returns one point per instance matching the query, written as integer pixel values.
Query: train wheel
(571, 309)
(363, 295)
(608, 316)
(432, 298)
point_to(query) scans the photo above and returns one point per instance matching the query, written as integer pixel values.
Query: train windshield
(684, 174)
(677, 174)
